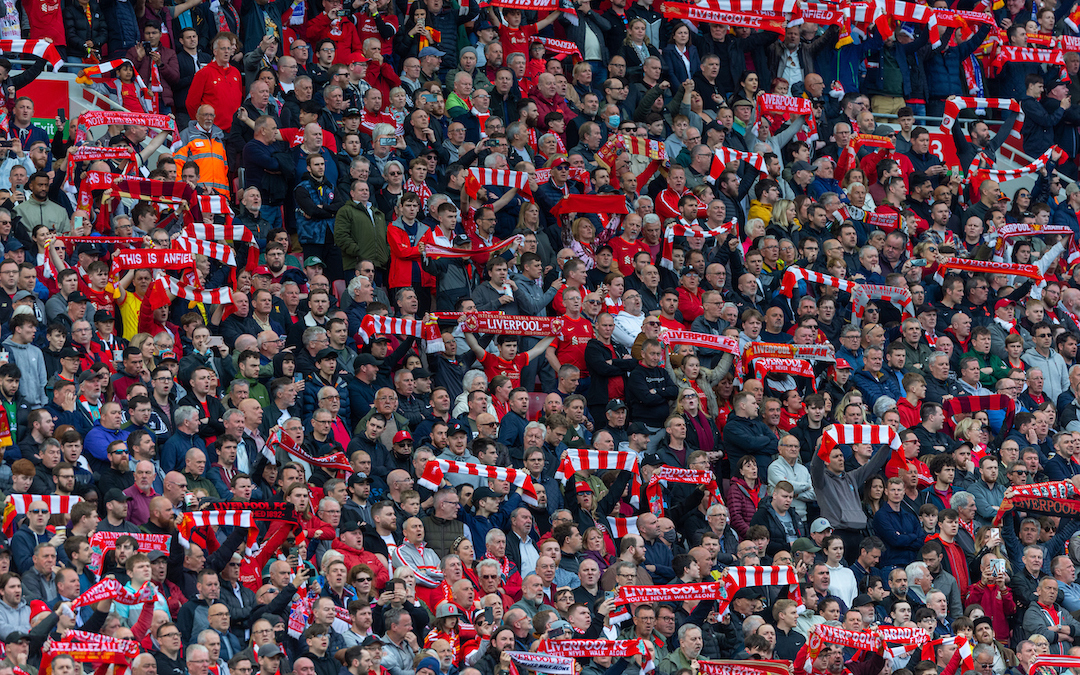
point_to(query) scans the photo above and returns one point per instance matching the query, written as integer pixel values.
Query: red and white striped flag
(602, 460)
(437, 468)
(864, 293)
(435, 250)
(760, 575)
(1038, 164)
(217, 296)
(214, 204)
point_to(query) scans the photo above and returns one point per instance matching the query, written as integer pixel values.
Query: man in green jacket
(360, 230)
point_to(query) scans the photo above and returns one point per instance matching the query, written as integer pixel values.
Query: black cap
(88, 249)
(103, 315)
(483, 493)
(455, 427)
(862, 599)
(366, 360)
(923, 309)
(616, 404)
(351, 112)
(420, 373)
(461, 240)
(77, 296)
(687, 270)
(15, 636)
(747, 594)
(349, 526)
(360, 478)
(116, 495)
(652, 459)
(371, 641)
(325, 354)
(86, 375)
(638, 428)
(69, 353)
(380, 338)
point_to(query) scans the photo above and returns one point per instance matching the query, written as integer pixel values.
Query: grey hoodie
(31, 363)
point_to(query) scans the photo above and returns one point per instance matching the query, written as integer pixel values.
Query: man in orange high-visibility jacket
(203, 145)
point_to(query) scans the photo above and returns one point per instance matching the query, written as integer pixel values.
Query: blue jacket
(1064, 215)
(479, 527)
(659, 554)
(1059, 468)
(873, 389)
(176, 448)
(99, 438)
(22, 549)
(315, 382)
(901, 533)
(944, 67)
(674, 65)
(317, 204)
(512, 430)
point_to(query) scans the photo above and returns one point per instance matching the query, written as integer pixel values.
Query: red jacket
(219, 87)
(405, 256)
(549, 105)
(343, 34)
(998, 603)
(355, 557)
(382, 77)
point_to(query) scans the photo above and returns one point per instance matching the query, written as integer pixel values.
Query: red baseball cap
(402, 436)
(1004, 302)
(842, 364)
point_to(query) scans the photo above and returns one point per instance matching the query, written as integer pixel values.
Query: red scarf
(505, 566)
(957, 562)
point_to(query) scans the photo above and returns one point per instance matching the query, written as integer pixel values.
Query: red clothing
(516, 40)
(557, 302)
(46, 21)
(368, 120)
(789, 420)
(367, 27)
(497, 365)
(549, 105)
(383, 78)
(998, 603)
(909, 414)
(355, 557)
(667, 204)
(219, 87)
(624, 253)
(690, 304)
(570, 344)
(341, 31)
(404, 255)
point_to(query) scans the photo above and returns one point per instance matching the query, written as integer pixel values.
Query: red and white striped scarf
(765, 20)
(903, 12)
(210, 249)
(435, 250)
(219, 518)
(373, 325)
(602, 460)
(214, 204)
(96, 118)
(279, 439)
(212, 232)
(1038, 164)
(967, 660)
(621, 527)
(792, 275)
(42, 49)
(500, 177)
(435, 469)
(789, 366)
(57, 504)
(421, 190)
(104, 72)
(217, 296)
(759, 575)
(849, 434)
(864, 293)
(726, 155)
(681, 230)
(1054, 661)
(957, 103)
(114, 590)
(722, 343)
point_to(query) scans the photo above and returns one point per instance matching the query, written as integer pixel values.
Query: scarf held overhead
(435, 469)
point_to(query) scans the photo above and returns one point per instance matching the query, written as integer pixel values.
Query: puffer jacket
(742, 505)
(944, 66)
(78, 30)
(317, 204)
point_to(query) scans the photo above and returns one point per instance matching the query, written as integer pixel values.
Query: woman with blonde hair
(701, 432)
(783, 220)
(583, 239)
(636, 48)
(970, 430)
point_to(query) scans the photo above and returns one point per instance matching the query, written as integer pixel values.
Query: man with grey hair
(690, 644)
(185, 437)
(197, 658)
(399, 643)
(964, 504)
(210, 639)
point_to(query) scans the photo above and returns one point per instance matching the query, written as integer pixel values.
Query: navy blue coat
(944, 66)
(674, 66)
(902, 534)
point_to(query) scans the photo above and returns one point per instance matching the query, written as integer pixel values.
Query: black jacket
(78, 30)
(649, 392)
(603, 367)
(766, 515)
(743, 436)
